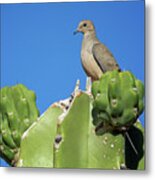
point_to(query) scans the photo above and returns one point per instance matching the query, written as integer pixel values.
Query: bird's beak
(75, 32)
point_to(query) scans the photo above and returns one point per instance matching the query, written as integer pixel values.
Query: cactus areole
(118, 101)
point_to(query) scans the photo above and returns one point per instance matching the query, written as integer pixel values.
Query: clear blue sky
(38, 48)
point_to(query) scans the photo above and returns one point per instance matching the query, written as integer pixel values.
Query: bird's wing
(104, 58)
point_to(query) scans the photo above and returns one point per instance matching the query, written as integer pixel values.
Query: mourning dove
(95, 56)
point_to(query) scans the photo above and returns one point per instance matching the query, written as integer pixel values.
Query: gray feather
(104, 58)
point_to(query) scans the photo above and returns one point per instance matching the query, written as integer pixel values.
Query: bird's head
(85, 26)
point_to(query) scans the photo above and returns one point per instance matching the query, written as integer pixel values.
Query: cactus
(37, 141)
(65, 137)
(118, 101)
(80, 147)
(17, 112)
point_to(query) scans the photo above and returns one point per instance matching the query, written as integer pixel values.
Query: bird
(95, 56)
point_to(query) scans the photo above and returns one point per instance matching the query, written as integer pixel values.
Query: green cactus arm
(118, 102)
(17, 112)
(118, 99)
(80, 147)
(73, 149)
(38, 141)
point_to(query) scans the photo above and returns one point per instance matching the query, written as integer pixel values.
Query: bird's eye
(84, 24)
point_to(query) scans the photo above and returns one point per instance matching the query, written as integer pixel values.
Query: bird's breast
(89, 64)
